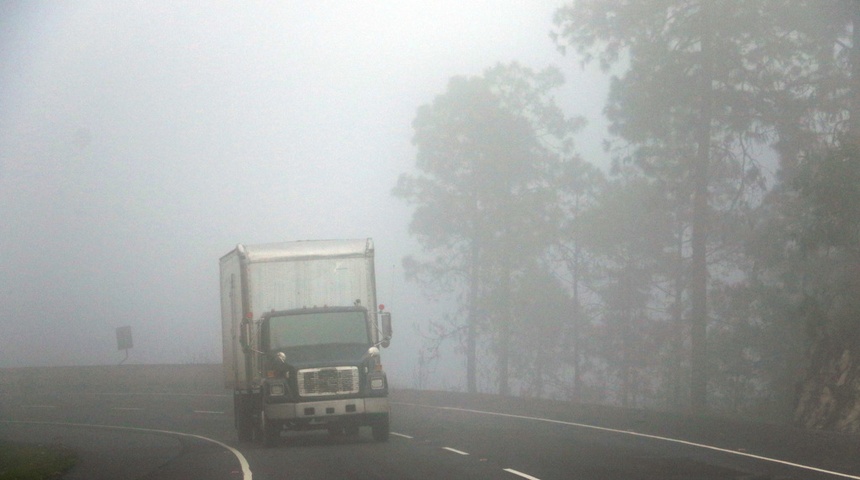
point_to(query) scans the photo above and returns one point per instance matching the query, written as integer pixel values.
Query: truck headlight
(276, 389)
(377, 382)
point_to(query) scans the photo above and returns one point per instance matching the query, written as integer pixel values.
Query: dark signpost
(123, 341)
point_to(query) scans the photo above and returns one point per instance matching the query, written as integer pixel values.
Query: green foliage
(524, 233)
(830, 186)
(757, 349)
(829, 243)
(483, 152)
(758, 77)
(490, 152)
(629, 221)
(34, 462)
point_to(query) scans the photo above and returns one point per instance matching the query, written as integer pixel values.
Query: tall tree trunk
(699, 276)
(472, 327)
(675, 373)
(577, 329)
(540, 366)
(504, 361)
(574, 267)
(505, 329)
(626, 333)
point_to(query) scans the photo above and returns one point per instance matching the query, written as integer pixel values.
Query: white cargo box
(256, 279)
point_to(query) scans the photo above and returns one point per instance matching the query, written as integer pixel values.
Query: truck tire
(245, 429)
(269, 432)
(381, 429)
(244, 419)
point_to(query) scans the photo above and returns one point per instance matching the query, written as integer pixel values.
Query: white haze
(140, 141)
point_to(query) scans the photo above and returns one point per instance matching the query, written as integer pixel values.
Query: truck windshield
(318, 328)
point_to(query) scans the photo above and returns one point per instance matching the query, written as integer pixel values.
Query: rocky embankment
(829, 397)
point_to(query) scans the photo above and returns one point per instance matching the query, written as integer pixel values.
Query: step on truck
(301, 335)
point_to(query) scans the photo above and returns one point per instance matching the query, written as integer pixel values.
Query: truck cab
(321, 370)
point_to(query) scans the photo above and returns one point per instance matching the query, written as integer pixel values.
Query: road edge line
(246, 468)
(637, 434)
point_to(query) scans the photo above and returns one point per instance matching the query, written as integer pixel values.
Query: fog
(140, 142)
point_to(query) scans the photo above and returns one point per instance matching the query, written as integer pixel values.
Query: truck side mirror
(386, 329)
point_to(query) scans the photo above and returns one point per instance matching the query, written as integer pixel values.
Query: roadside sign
(123, 338)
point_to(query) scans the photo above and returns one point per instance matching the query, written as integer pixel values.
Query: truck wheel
(381, 429)
(269, 433)
(244, 420)
(245, 428)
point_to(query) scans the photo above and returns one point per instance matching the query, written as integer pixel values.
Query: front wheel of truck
(245, 429)
(381, 429)
(268, 431)
(244, 418)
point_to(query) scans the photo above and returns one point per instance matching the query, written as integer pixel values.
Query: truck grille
(328, 381)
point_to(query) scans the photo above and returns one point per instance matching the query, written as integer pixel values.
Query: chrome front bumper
(320, 410)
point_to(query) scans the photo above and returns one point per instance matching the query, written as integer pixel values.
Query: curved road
(186, 436)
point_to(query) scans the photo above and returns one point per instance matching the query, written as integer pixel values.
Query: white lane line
(128, 409)
(524, 475)
(246, 469)
(458, 452)
(209, 412)
(400, 435)
(642, 435)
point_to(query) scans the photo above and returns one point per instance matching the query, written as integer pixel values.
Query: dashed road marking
(127, 409)
(401, 435)
(209, 412)
(458, 452)
(521, 474)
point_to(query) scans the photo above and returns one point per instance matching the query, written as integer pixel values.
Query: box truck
(301, 334)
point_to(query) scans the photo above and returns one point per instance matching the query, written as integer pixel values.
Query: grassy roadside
(19, 461)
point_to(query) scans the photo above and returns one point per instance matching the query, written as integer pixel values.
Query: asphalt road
(121, 435)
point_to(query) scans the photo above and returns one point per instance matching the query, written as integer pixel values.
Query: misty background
(649, 204)
(141, 141)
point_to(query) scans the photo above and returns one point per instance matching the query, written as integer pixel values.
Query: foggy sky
(140, 142)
